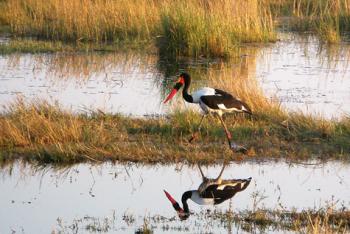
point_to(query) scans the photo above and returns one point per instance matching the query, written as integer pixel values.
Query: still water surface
(300, 72)
(43, 199)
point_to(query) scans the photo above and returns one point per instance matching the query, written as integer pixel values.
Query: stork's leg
(233, 146)
(222, 170)
(200, 169)
(218, 179)
(194, 135)
(228, 134)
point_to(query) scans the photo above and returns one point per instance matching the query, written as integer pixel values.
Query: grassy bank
(196, 27)
(47, 134)
(30, 45)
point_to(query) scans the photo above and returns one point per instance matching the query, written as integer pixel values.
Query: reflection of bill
(209, 192)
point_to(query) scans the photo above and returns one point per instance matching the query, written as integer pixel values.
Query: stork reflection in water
(210, 192)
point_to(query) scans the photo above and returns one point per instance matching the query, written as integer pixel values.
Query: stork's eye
(181, 80)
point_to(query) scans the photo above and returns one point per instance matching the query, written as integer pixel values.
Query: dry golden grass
(196, 27)
(46, 133)
(215, 27)
(327, 17)
(83, 20)
(316, 221)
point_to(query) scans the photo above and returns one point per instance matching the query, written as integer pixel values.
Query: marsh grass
(46, 133)
(33, 46)
(191, 28)
(323, 220)
(30, 45)
(328, 18)
(214, 27)
(196, 27)
(82, 20)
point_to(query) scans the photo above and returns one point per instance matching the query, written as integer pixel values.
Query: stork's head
(183, 215)
(184, 78)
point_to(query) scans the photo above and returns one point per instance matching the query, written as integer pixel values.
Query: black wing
(213, 102)
(221, 195)
(222, 93)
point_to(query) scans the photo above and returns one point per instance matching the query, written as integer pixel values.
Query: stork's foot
(238, 148)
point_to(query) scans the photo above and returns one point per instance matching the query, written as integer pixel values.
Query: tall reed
(195, 27)
(214, 27)
(329, 18)
(98, 20)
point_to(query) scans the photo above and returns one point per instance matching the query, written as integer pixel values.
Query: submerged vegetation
(324, 220)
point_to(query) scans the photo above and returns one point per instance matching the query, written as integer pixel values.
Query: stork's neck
(185, 196)
(188, 97)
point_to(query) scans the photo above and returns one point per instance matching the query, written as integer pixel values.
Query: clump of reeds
(326, 17)
(196, 27)
(83, 20)
(214, 27)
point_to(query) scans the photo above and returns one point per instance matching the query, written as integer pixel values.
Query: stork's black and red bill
(177, 86)
(174, 203)
(171, 95)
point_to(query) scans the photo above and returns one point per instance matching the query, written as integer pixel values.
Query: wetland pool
(112, 198)
(301, 73)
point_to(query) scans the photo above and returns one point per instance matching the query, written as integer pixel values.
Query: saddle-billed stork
(211, 101)
(210, 192)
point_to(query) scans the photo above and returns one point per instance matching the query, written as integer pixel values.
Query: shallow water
(120, 197)
(306, 75)
(301, 73)
(109, 82)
